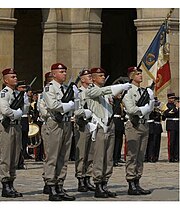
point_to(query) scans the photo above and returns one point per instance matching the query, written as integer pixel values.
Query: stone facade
(73, 36)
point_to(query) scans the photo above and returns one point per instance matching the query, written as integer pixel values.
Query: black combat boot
(6, 191)
(141, 190)
(62, 193)
(53, 195)
(46, 189)
(99, 192)
(17, 194)
(105, 188)
(88, 184)
(132, 189)
(81, 186)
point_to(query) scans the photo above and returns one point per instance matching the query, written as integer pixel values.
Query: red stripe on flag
(163, 77)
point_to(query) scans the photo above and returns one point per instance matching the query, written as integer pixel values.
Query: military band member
(155, 130)
(99, 100)
(11, 135)
(136, 136)
(59, 130)
(84, 144)
(172, 126)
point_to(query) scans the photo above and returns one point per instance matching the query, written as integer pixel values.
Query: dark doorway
(118, 42)
(28, 45)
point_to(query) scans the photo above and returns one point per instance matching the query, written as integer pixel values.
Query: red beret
(98, 70)
(8, 71)
(131, 69)
(84, 72)
(58, 66)
(47, 75)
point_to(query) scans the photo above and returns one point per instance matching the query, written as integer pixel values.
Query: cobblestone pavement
(162, 178)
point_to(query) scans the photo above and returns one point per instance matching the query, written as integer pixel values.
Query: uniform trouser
(84, 153)
(103, 155)
(118, 145)
(173, 144)
(153, 146)
(10, 146)
(59, 136)
(136, 147)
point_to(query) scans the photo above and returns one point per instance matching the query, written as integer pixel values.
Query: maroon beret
(84, 72)
(171, 95)
(58, 66)
(98, 70)
(8, 71)
(48, 74)
(131, 69)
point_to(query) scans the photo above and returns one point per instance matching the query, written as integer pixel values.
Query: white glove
(145, 109)
(151, 94)
(88, 113)
(68, 106)
(17, 114)
(116, 89)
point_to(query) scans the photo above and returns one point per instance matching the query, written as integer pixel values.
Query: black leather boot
(6, 191)
(53, 195)
(132, 189)
(81, 186)
(17, 194)
(88, 184)
(99, 192)
(46, 189)
(62, 193)
(141, 190)
(105, 188)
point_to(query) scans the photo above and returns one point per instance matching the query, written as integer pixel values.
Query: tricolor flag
(156, 60)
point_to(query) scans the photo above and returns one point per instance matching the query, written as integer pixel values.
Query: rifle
(117, 105)
(68, 96)
(144, 99)
(18, 102)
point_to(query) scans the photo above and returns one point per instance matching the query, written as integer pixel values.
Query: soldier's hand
(126, 86)
(17, 114)
(151, 94)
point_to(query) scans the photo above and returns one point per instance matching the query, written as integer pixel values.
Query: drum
(34, 137)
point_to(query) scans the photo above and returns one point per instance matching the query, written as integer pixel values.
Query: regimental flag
(156, 60)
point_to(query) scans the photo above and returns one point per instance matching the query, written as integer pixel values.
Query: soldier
(10, 134)
(84, 145)
(99, 100)
(59, 134)
(136, 135)
(172, 126)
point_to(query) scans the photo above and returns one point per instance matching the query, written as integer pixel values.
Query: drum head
(33, 129)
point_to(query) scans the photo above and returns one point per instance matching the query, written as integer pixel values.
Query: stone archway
(28, 45)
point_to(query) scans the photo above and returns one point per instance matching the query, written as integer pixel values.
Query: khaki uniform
(98, 103)
(11, 138)
(84, 147)
(59, 136)
(137, 138)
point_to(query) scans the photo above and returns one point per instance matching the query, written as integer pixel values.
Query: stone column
(76, 44)
(7, 43)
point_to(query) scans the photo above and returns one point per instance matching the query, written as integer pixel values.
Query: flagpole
(164, 22)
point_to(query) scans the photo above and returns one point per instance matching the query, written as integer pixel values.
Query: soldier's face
(59, 75)
(11, 80)
(86, 79)
(98, 78)
(137, 77)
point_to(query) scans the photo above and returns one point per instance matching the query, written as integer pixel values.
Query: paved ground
(161, 177)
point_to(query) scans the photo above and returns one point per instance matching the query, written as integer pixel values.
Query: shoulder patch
(46, 89)
(4, 90)
(2, 94)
